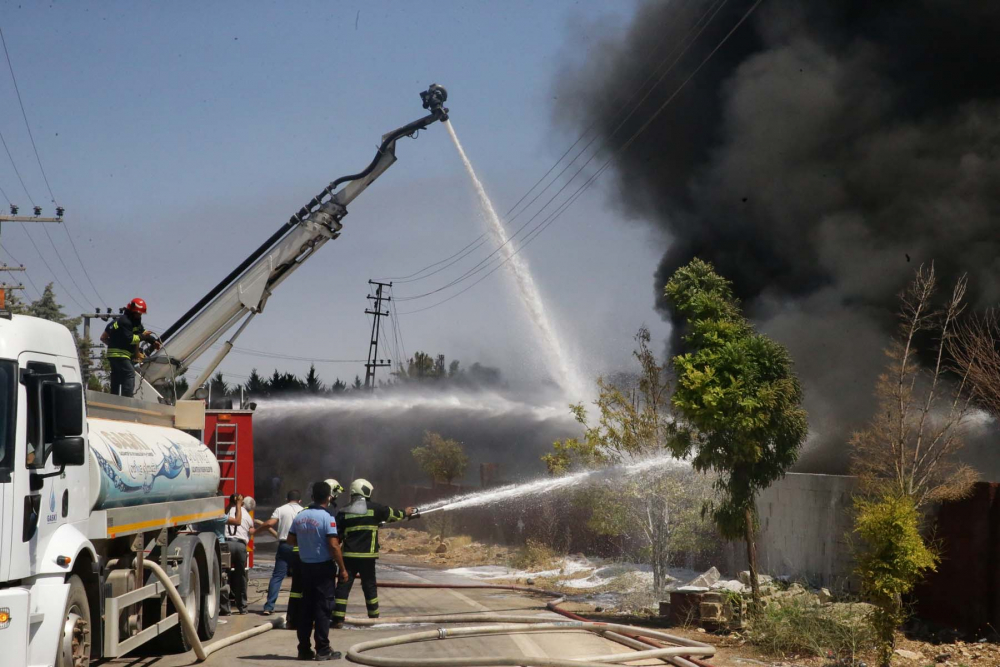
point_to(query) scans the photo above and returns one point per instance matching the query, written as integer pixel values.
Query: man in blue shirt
(321, 564)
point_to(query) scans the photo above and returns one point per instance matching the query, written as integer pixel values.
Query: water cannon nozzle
(434, 98)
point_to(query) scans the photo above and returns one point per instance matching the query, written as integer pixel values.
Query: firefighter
(358, 525)
(295, 594)
(122, 336)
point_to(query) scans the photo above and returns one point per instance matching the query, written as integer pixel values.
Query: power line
(83, 266)
(13, 164)
(56, 277)
(66, 268)
(45, 176)
(710, 13)
(25, 116)
(532, 235)
(26, 274)
(290, 357)
(483, 264)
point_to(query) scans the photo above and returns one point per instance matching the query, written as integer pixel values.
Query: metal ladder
(224, 442)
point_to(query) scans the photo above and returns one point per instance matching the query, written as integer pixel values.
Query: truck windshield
(8, 419)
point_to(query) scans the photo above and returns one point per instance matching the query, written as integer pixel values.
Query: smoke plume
(822, 154)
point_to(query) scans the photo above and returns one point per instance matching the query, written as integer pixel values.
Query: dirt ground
(461, 551)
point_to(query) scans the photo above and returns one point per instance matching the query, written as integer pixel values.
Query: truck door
(8, 430)
(34, 511)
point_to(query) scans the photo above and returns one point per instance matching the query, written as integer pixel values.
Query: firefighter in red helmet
(122, 336)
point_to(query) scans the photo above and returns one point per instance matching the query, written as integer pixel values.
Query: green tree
(358, 384)
(634, 423)
(442, 459)
(893, 560)
(739, 398)
(906, 456)
(218, 387)
(15, 304)
(256, 385)
(338, 387)
(47, 307)
(313, 384)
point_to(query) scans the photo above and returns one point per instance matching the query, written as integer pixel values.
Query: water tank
(134, 464)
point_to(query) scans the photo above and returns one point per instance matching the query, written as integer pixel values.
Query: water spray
(561, 367)
(548, 485)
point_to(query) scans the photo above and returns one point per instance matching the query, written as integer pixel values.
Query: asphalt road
(273, 648)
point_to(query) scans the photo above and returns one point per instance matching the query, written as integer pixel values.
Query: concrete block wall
(805, 526)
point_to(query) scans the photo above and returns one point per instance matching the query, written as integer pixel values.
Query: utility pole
(37, 217)
(14, 217)
(87, 317)
(373, 360)
(4, 286)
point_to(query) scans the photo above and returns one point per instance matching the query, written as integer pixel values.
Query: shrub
(533, 554)
(892, 560)
(799, 625)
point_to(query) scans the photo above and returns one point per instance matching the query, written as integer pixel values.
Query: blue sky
(179, 135)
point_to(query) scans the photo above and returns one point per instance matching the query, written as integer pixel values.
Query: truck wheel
(74, 644)
(190, 591)
(210, 599)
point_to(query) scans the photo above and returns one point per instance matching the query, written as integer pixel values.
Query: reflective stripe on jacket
(123, 336)
(359, 530)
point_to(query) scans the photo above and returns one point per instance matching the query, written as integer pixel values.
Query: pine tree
(256, 386)
(313, 383)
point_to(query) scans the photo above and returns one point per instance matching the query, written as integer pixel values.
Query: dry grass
(798, 625)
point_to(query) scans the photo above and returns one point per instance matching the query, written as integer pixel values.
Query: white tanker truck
(99, 493)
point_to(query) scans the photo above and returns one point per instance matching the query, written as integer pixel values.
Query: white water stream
(548, 485)
(561, 367)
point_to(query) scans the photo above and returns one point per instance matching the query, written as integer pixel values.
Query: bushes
(533, 554)
(798, 625)
(893, 559)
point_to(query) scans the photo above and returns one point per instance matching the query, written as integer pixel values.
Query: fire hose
(683, 653)
(187, 625)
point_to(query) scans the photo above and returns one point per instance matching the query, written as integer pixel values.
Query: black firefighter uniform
(357, 525)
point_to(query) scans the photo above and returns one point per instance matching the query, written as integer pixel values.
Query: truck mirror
(69, 451)
(65, 401)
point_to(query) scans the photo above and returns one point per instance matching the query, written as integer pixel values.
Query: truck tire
(175, 640)
(74, 643)
(210, 597)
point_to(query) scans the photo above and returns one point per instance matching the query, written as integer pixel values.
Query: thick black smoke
(825, 151)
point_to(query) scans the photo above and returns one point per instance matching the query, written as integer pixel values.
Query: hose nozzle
(434, 98)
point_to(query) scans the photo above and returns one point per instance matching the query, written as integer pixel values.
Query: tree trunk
(752, 558)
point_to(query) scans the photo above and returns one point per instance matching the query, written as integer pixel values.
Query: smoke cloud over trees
(822, 154)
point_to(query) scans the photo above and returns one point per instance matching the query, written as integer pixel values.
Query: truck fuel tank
(134, 464)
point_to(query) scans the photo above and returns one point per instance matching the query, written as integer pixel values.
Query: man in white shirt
(239, 528)
(287, 557)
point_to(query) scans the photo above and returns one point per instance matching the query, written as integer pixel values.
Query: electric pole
(5, 286)
(373, 360)
(14, 217)
(87, 317)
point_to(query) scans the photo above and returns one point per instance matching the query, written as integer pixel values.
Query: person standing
(122, 336)
(359, 523)
(295, 594)
(314, 531)
(239, 528)
(286, 558)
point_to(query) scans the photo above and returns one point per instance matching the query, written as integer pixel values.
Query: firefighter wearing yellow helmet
(357, 528)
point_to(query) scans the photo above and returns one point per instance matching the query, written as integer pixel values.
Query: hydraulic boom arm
(244, 292)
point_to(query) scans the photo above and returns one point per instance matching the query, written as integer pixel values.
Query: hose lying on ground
(518, 624)
(682, 654)
(187, 625)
